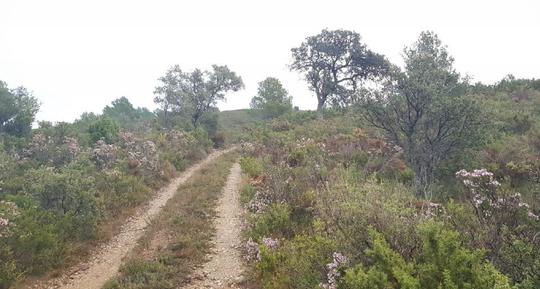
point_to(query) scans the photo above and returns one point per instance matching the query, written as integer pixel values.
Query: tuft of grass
(178, 239)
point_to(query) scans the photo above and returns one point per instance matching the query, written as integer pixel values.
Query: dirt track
(107, 259)
(224, 269)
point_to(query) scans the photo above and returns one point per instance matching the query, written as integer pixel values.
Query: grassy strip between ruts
(179, 238)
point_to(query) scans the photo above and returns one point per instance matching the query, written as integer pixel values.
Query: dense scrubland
(404, 177)
(65, 187)
(424, 181)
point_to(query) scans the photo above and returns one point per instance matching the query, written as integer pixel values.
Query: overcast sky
(78, 56)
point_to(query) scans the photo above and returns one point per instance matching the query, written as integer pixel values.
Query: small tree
(334, 63)
(425, 110)
(104, 129)
(122, 111)
(272, 98)
(18, 110)
(194, 93)
(166, 95)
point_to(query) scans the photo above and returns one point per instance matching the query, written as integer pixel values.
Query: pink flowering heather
(178, 140)
(247, 148)
(8, 211)
(259, 202)
(270, 243)
(141, 154)
(332, 271)
(432, 210)
(104, 155)
(72, 146)
(37, 148)
(252, 251)
(483, 194)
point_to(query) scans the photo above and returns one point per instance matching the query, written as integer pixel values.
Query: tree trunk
(422, 180)
(320, 106)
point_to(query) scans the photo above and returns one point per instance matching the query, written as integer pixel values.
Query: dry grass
(178, 240)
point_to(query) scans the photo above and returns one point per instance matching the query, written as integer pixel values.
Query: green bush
(444, 263)
(251, 166)
(276, 220)
(9, 272)
(247, 193)
(296, 264)
(70, 196)
(177, 159)
(120, 191)
(105, 128)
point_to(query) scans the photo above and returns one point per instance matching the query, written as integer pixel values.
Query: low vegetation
(404, 177)
(65, 187)
(409, 186)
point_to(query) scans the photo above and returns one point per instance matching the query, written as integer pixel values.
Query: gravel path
(224, 269)
(108, 258)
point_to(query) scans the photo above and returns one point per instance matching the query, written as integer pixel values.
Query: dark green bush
(251, 166)
(444, 263)
(105, 128)
(274, 221)
(296, 264)
(119, 191)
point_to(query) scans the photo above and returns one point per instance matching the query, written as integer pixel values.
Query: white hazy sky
(78, 56)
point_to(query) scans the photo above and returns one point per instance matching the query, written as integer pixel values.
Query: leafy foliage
(194, 93)
(424, 110)
(334, 63)
(272, 98)
(18, 109)
(104, 129)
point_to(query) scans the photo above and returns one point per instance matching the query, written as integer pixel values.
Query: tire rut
(225, 267)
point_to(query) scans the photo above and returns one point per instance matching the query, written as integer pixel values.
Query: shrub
(443, 263)
(296, 264)
(104, 155)
(70, 196)
(251, 166)
(120, 191)
(276, 220)
(104, 129)
(247, 193)
(9, 272)
(218, 139)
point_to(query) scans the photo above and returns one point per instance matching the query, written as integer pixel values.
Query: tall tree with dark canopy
(18, 110)
(334, 64)
(194, 93)
(425, 110)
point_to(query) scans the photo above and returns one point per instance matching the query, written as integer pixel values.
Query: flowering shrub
(46, 150)
(485, 198)
(104, 155)
(8, 211)
(270, 243)
(259, 202)
(333, 271)
(253, 249)
(505, 225)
